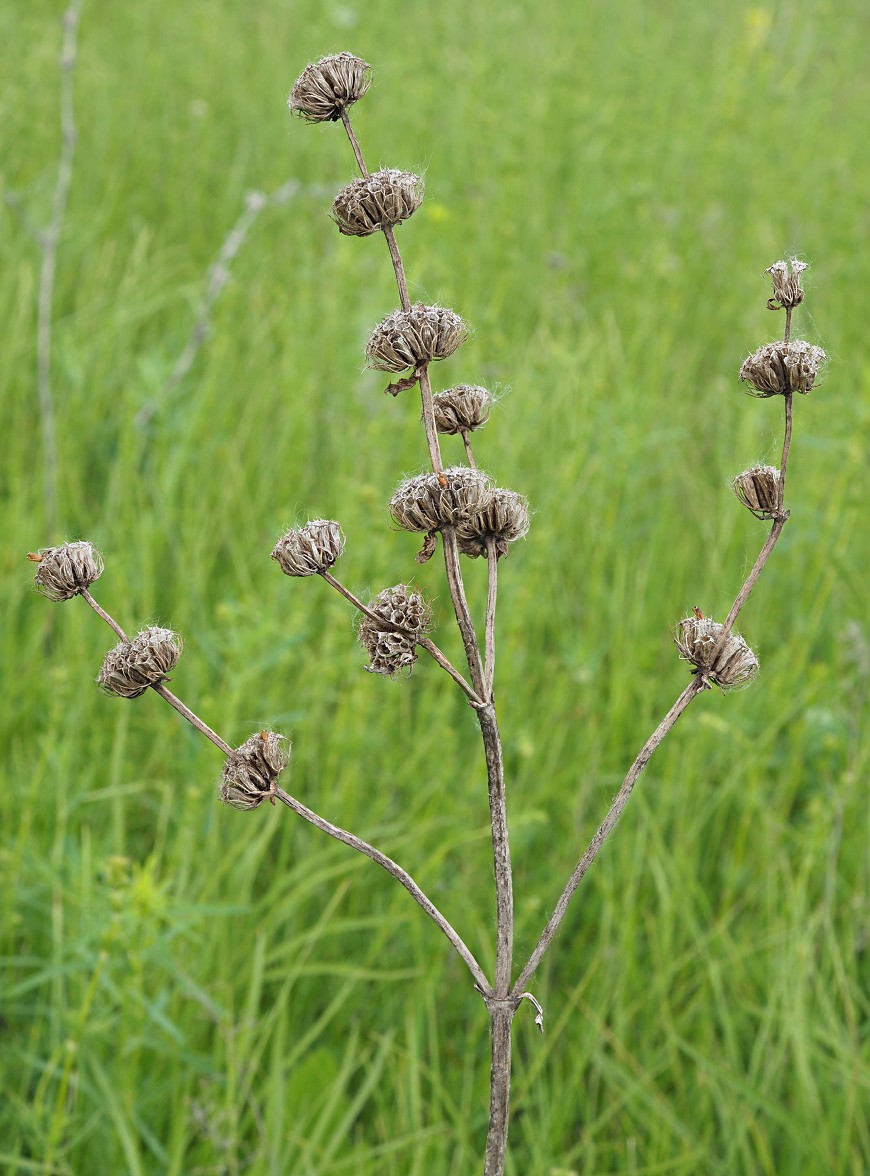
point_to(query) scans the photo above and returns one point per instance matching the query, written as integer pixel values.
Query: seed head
(429, 502)
(758, 490)
(787, 290)
(64, 571)
(780, 368)
(304, 551)
(733, 665)
(132, 666)
(504, 519)
(379, 201)
(412, 338)
(390, 650)
(461, 409)
(250, 775)
(327, 87)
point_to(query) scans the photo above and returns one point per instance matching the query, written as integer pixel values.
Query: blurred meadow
(189, 989)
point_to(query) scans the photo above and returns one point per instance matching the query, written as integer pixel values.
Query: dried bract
(132, 666)
(733, 665)
(390, 650)
(461, 409)
(326, 88)
(250, 775)
(412, 338)
(305, 551)
(505, 519)
(787, 290)
(64, 571)
(758, 490)
(379, 201)
(778, 369)
(432, 501)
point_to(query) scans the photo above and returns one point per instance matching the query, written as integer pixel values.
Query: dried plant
(475, 518)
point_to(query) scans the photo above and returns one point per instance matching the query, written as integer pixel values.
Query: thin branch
(504, 896)
(462, 611)
(194, 720)
(101, 612)
(345, 118)
(398, 267)
(468, 453)
(492, 593)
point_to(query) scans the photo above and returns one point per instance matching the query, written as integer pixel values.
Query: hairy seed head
(777, 369)
(327, 87)
(250, 775)
(132, 666)
(379, 201)
(65, 570)
(504, 519)
(412, 338)
(304, 551)
(389, 650)
(461, 409)
(733, 665)
(758, 489)
(429, 502)
(787, 290)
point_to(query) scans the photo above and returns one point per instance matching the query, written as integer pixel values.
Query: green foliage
(190, 989)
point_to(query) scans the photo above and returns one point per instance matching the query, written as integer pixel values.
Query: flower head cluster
(132, 666)
(461, 409)
(64, 571)
(429, 502)
(758, 489)
(787, 290)
(411, 338)
(698, 641)
(326, 88)
(402, 616)
(305, 551)
(250, 775)
(777, 369)
(504, 519)
(379, 201)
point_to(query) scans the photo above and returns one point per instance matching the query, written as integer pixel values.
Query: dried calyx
(389, 650)
(758, 489)
(65, 570)
(132, 666)
(381, 200)
(461, 409)
(429, 502)
(326, 88)
(250, 775)
(698, 641)
(305, 551)
(503, 520)
(787, 290)
(778, 369)
(412, 338)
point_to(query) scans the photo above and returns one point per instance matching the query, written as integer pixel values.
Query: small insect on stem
(442, 481)
(34, 557)
(698, 614)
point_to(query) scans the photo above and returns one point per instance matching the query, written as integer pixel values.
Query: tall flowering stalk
(461, 506)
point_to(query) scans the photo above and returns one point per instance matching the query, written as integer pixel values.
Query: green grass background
(188, 989)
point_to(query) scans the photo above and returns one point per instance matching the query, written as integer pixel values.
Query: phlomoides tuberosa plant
(472, 517)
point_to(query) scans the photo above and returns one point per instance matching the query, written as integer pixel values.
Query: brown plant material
(251, 773)
(758, 489)
(305, 551)
(414, 337)
(67, 570)
(428, 502)
(504, 520)
(132, 666)
(461, 409)
(381, 200)
(326, 88)
(778, 369)
(729, 663)
(395, 608)
(787, 290)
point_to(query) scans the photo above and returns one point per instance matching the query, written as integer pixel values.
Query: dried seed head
(132, 666)
(412, 338)
(787, 290)
(758, 490)
(379, 201)
(327, 87)
(304, 551)
(389, 650)
(461, 409)
(733, 665)
(505, 519)
(64, 571)
(432, 501)
(780, 368)
(250, 775)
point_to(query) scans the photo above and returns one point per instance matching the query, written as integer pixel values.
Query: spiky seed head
(396, 608)
(733, 665)
(777, 369)
(429, 502)
(327, 87)
(251, 773)
(758, 489)
(65, 570)
(304, 551)
(504, 519)
(411, 338)
(132, 666)
(787, 290)
(379, 201)
(461, 409)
